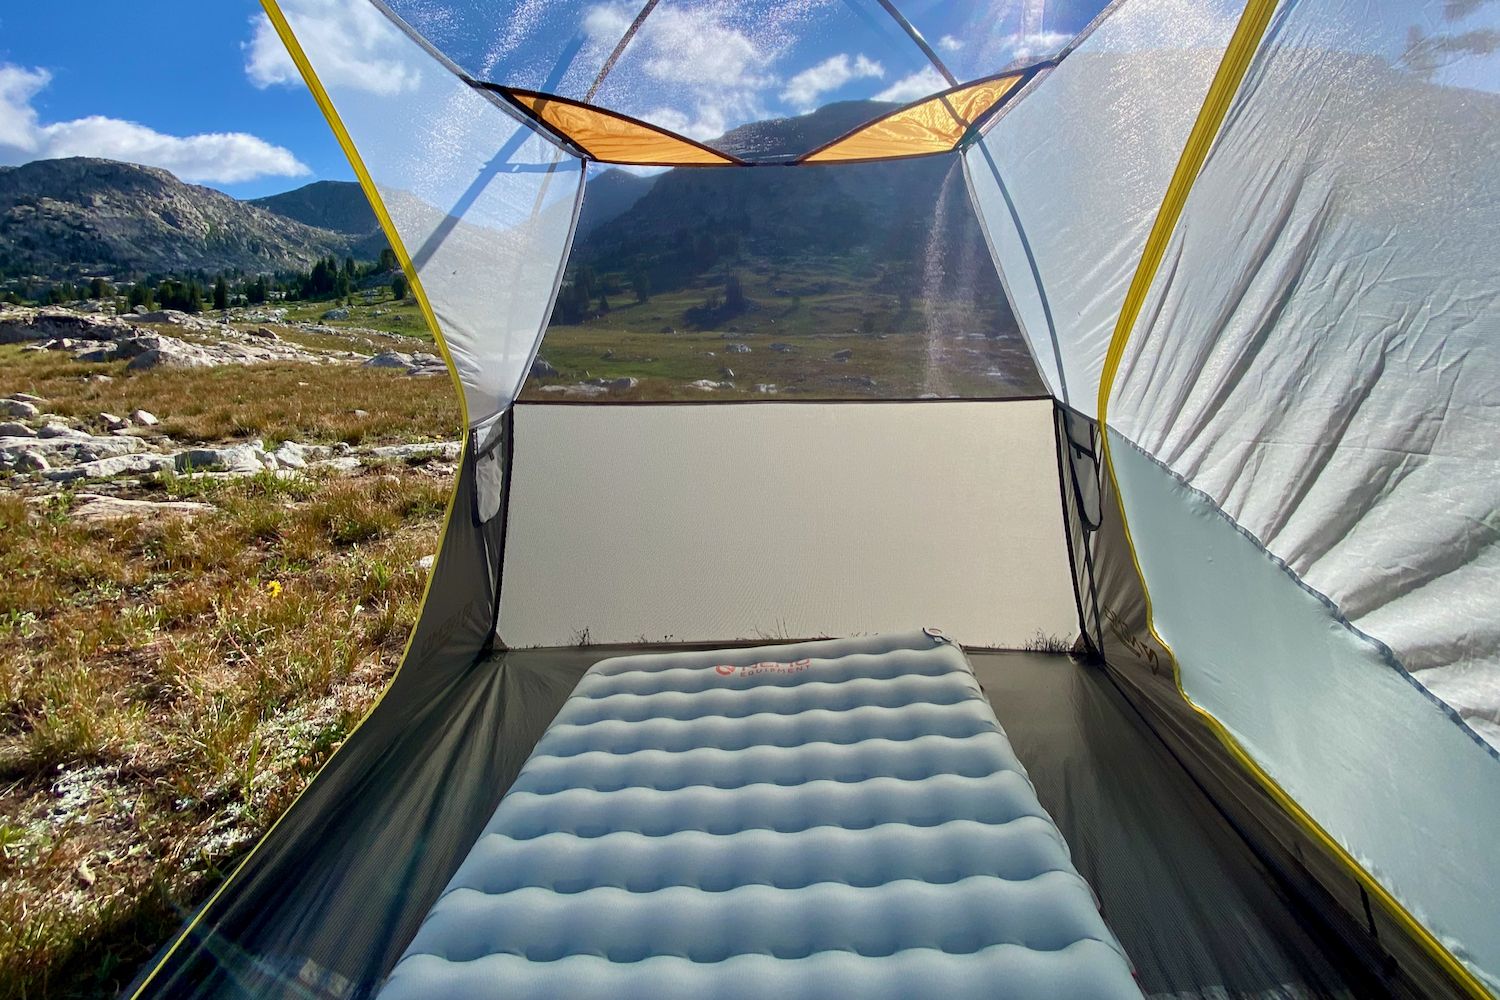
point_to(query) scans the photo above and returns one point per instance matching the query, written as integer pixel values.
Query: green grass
(817, 311)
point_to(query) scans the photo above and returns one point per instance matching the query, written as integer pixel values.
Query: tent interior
(1143, 349)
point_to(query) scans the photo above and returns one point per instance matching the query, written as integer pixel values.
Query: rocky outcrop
(19, 326)
(66, 216)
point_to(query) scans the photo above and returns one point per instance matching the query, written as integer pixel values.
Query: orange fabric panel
(931, 126)
(613, 138)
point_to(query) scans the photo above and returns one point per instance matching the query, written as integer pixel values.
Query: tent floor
(348, 875)
(1198, 912)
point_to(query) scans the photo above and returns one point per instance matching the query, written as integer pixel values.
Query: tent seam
(1386, 653)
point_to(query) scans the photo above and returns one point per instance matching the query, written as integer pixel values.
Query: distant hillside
(609, 195)
(78, 216)
(794, 136)
(691, 217)
(337, 205)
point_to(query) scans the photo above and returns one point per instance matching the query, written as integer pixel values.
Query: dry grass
(276, 402)
(166, 689)
(168, 686)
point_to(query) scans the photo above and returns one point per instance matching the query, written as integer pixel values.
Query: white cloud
(923, 83)
(949, 44)
(1037, 45)
(218, 157)
(802, 90)
(718, 71)
(350, 43)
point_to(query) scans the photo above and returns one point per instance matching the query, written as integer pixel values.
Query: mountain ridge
(80, 216)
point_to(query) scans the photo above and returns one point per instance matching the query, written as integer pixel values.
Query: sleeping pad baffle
(841, 818)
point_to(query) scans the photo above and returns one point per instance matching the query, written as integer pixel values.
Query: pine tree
(388, 261)
(221, 293)
(398, 286)
(640, 283)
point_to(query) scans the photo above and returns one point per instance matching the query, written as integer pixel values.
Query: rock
(264, 333)
(346, 464)
(152, 351)
(22, 325)
(26, 397)
(98, 355)
(240, 459)
(94, 507)
(444, 449)
(765, 387)
(867, 381)
(290, 456)
(423, 358)
(726, 372)
(360, 414)
(144, 418)
(57, 429)
(140, 310)
(18, 408)
(783, 348)
(105, 468)
(389, 359)
(15, 430)
(100, 378)
(843, 355)
(540, 368)
(174, 317)
(338, 313)
(425, 563)
(708, 385)
(737, 348)
(75, 447)
(606, 355)
(113, 422)
(622, 383)
(31, 461)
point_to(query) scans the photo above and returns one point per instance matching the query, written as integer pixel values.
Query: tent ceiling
(652, 85)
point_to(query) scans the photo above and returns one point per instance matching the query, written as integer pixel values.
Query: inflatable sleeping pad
(826, 819)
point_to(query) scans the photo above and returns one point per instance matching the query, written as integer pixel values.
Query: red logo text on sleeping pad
(764, 667)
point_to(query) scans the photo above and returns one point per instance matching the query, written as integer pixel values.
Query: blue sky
(176, 69)
(206, 91)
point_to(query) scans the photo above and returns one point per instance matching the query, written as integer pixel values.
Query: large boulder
(18, 408)
(388, 359)
(240, 459)
(20, 325)
(540, 368)
(105, 468)
(149, 351)
(92, 507)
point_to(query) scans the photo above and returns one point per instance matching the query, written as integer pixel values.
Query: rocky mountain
(890, 211)
(337, 205)
(609, 195)
(79, 216)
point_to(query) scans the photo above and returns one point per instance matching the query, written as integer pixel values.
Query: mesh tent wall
(1244, 243)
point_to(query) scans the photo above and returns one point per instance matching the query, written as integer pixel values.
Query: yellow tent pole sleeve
(1226, 83)
(366, 182)
(1221, 91)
